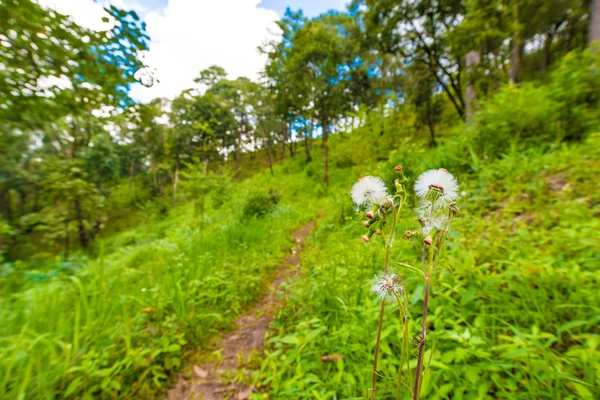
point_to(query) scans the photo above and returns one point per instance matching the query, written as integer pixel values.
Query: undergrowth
(514, 313)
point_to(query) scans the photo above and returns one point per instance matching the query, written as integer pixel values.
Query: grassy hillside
(121, 323)
(513, 312)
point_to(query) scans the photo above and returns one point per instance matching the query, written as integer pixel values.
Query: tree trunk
(283, 141)
(291, 142)
(514, 73)
(547, 59)
(205, 162)
(472, 61)
(83, 238)
(8, 206)
(66, 240)
(382, 118)
(131, 172)
(325, 152)
(306, 144)
(431, 122)
(595, 22)
(22, 203)
(175, 182)
(269, 155)
(238, 146)
(36, 198)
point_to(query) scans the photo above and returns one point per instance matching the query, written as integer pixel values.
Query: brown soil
(213, 380)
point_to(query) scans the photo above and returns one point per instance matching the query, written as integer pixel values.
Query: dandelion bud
(409, 235)
(378, 232)
(399, 187)
(418, 339)
(366, 239)
(366, 224)
(421, 220)
(429, 239)
(400, 173)
(434, 193)
(370, 215)
(453, 209)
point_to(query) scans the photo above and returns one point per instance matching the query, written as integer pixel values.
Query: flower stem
(404, 312)
(423, 325)
(377, 348)
(388, 246)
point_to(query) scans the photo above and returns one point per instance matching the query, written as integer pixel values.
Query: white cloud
(188, 36)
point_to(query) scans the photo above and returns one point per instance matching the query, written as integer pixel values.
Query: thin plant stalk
(428, 275)
(423, 329)
(373, 386)
(388, 244)
(403, 308)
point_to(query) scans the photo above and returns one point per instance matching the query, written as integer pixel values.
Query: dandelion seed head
(439, 179)
(388, 285)
(436, 222)
(368, 190)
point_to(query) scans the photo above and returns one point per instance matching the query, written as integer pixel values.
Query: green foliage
(531, 114)
(261, 203)
(122, 324)
(514, 311)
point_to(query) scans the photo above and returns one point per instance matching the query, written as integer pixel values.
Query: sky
(190, 35)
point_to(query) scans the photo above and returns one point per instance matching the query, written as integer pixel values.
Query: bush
(261, 203)
(575, 87)
(566, 107)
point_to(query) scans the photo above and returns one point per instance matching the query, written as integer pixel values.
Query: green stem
(404, 311)
(428, 276)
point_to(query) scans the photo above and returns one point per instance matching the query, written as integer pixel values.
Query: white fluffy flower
(368, 190)
(438, 178)
(425, 208)
(387, 286)
(437, 222)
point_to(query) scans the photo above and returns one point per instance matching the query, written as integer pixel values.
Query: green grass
(123, 323)
(514, 312)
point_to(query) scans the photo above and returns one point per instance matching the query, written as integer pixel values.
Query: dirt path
(209, 380)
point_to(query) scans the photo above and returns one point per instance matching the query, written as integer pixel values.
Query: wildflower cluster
(437, 191)
(370, 193)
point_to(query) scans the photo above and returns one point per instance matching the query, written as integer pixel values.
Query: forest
(133, 235)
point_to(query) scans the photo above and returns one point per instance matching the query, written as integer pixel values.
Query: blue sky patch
(311, 8)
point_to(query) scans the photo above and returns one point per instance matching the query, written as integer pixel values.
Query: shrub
(566, 107)
(261, 203)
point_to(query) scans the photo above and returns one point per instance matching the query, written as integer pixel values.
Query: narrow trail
(211, 380)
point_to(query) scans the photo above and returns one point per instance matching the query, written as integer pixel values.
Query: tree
(419, 32)
(201, 125)
(50, 93)
(422, 94)
(595, 22)
(319, 58)
(235, 95)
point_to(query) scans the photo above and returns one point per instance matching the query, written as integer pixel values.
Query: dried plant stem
(373, 386)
